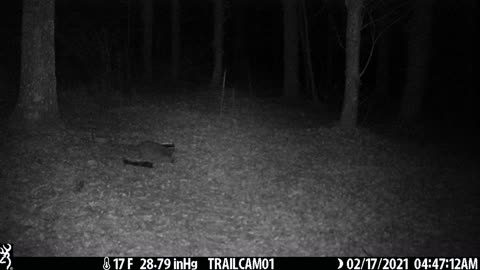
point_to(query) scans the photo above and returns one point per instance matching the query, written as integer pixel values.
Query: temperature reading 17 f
(120, 262)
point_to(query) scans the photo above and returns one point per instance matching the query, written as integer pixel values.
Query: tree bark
(175, 39)
(305, 38)
(128, 92)
(291, 82)
(472, 45)
(240, 54)
(37, 105)
(419, 39)
(147, 17)
(382, 76)
(217, 43)
(352, 63)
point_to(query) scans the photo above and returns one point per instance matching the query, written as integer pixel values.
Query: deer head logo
(5, 255)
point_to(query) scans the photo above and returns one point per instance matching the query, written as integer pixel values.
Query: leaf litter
(257, 180)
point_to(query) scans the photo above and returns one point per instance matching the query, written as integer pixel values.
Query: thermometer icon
(106, 264)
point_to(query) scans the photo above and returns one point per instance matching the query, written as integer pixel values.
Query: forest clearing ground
(256, 180)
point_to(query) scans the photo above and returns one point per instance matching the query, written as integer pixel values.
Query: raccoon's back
(156, 152)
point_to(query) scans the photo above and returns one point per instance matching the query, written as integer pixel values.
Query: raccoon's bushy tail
(146, 164)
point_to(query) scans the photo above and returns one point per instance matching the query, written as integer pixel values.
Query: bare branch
(375, 40)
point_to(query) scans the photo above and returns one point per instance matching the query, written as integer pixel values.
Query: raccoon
(148, 153)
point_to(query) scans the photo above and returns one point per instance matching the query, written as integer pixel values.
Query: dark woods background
(99, 51)
(112, 148)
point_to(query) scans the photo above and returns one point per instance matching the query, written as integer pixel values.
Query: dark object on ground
(145, 164)
(148, 153)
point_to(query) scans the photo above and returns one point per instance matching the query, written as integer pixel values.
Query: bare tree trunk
(382, 70)
(352, 63)
(37, 104)
(240, 55)
(217, 43)
(305, 38)
(175, 39)
(147, 17)
(128, 91)
(290, 49)
(419, 39)
(326, 79)
(472, 45)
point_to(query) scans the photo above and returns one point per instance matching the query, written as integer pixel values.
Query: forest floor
(262, 178)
